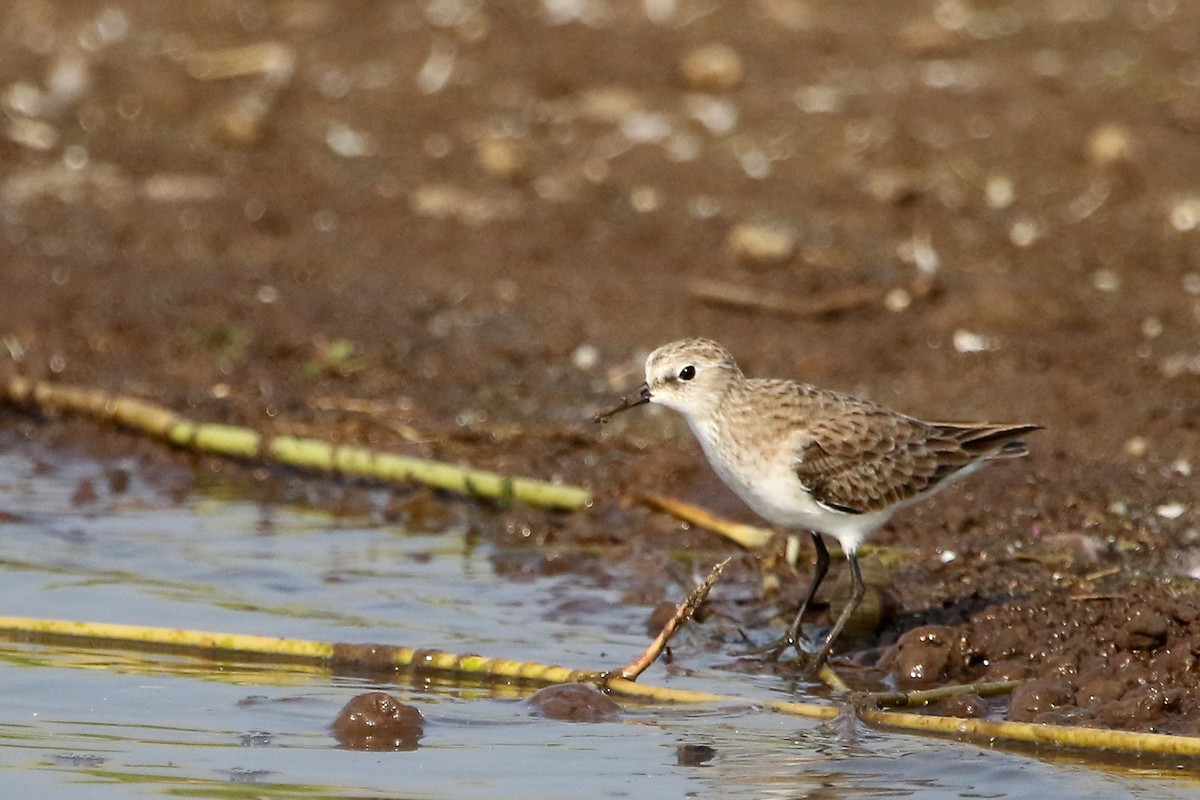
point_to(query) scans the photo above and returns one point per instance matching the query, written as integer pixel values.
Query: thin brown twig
(737, 295)
(1104, 573)
(750, 537)
(829, 303)
(683, 612)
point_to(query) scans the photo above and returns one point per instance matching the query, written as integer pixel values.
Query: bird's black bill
(641, 398)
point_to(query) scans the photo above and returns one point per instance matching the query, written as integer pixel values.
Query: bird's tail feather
(990, 441)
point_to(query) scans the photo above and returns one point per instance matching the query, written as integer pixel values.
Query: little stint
(811, 458)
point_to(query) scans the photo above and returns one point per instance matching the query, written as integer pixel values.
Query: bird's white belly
(773, 490)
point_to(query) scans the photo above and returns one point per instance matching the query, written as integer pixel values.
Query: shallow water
(80, 722)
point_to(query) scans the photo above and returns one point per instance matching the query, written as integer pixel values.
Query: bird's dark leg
(858, 589)
(792, 637)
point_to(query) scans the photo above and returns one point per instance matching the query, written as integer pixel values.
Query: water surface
(106, 723)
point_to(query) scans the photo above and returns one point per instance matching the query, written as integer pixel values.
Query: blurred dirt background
(455, 228)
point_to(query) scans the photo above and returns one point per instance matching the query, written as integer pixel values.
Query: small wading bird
(811, 458)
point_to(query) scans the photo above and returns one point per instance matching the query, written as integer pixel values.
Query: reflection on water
(105, 723)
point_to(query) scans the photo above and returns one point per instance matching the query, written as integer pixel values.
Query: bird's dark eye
(687, 373)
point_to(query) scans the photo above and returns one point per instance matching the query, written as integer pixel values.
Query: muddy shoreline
(455, 230)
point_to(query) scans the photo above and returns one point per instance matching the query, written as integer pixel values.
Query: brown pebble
(693, 755)
(928, 655)
(894, 187)
(472, 206)
(760, 245)
(503, 159)
(575, 702)
(713, 68)
(1031, 699)
(240, 127)
(608, 104)
(85, 493)
(925, 38)
(378, 721)
(1109, 144)
(118, 480)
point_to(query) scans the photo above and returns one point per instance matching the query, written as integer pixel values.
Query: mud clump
(1098, 692)
(378, 721)
(1113, 661)
(1145, 629)
(575, 702)
(1034, 700)
(694, 755)
(928, 656)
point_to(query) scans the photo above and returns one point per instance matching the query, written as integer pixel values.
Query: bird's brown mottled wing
(864, 458)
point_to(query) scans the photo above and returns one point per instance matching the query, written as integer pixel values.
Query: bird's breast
(761, 473)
